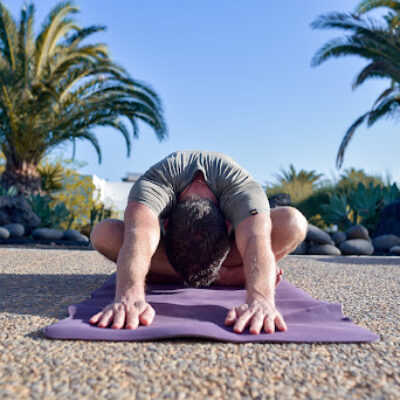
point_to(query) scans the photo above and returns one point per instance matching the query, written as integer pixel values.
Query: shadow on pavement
(45, 295)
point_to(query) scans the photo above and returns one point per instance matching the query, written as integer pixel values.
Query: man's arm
(141, 238)
(253, 239)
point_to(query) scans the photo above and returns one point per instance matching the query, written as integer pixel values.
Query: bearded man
(199, 218)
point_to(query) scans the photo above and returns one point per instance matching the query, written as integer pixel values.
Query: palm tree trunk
(24, 177)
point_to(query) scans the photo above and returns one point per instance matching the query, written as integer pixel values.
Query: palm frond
(357, 45)
(347, 137)
(26, 40)
(368, 5)
(74, 40)
(376, 69)
(8, 36)
(384, 94)
(61, 31)
(45, 38)
(345, 21)
(86, 134)
(388, 107)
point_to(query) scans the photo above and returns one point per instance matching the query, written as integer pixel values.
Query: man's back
(237, 192)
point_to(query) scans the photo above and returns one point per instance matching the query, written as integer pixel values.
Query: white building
(115, 194)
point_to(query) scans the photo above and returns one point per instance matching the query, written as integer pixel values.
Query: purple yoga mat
(187, 312)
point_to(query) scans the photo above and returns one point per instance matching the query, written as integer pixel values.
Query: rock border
(45, 244)
(354, 242)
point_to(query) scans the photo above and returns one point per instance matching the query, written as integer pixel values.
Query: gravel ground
(36, 287)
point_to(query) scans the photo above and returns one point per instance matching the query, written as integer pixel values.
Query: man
(218, 229)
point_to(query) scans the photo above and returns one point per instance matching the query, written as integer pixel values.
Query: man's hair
(197, 241)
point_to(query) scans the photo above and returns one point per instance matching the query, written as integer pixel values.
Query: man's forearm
(260, 270)
(133, 263)
(253, 239)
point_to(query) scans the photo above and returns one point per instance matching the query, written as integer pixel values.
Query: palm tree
(299, 185)
(392, 18)
(302, 176)
(351, 177)
(54, 89)
(376, 41)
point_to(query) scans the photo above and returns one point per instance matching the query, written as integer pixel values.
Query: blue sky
(235, 77)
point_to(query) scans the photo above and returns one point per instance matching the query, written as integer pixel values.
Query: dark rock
(339, 237)
(385, 242)
(16, 209)
(16, 230)
(358, 232)
(389, 220)
(74, 235)
(324, 249)
(280, 200)
(47, 234)
(300, 249)
(4, 233)
(317, 235)
(356, 247)
(395, 250)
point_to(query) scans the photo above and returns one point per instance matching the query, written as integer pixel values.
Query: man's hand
(124, 314)
(141, 238)
(258, 314)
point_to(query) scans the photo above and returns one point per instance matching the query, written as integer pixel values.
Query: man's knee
(101, 232)
(294, 220)
(299, 222)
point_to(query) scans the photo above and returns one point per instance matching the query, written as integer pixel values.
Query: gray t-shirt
(239, 195)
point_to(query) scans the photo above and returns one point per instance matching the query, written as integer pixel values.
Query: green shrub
(362, 205)
(51, 215)
(354, 198)
(11, 191)
(77, 192)
(68, 199)
(350, 179)
(312, 208)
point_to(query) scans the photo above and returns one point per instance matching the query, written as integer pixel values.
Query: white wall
(113, 194)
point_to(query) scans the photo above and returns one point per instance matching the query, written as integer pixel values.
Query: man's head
(197, 241)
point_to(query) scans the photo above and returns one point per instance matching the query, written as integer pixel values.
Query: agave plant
(56, 89)
(366, 203)
(390, 194)
(377, 41)
(51, 216)
(362, 205)
(338, 211)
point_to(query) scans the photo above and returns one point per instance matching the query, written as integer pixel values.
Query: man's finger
(119, 318)
(257, 323)
(231, 317)
(147, 316)
(280, 323)
(106, 319)
(96, 318)
(243, 321)
(132, 318)
(269, 325)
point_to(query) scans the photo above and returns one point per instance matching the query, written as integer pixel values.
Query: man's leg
(107, 238)
(289, 229)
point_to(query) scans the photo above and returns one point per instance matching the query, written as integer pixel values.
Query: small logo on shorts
(253, 212)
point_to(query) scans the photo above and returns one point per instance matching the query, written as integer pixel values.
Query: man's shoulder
(187, 157)
(210, 153)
